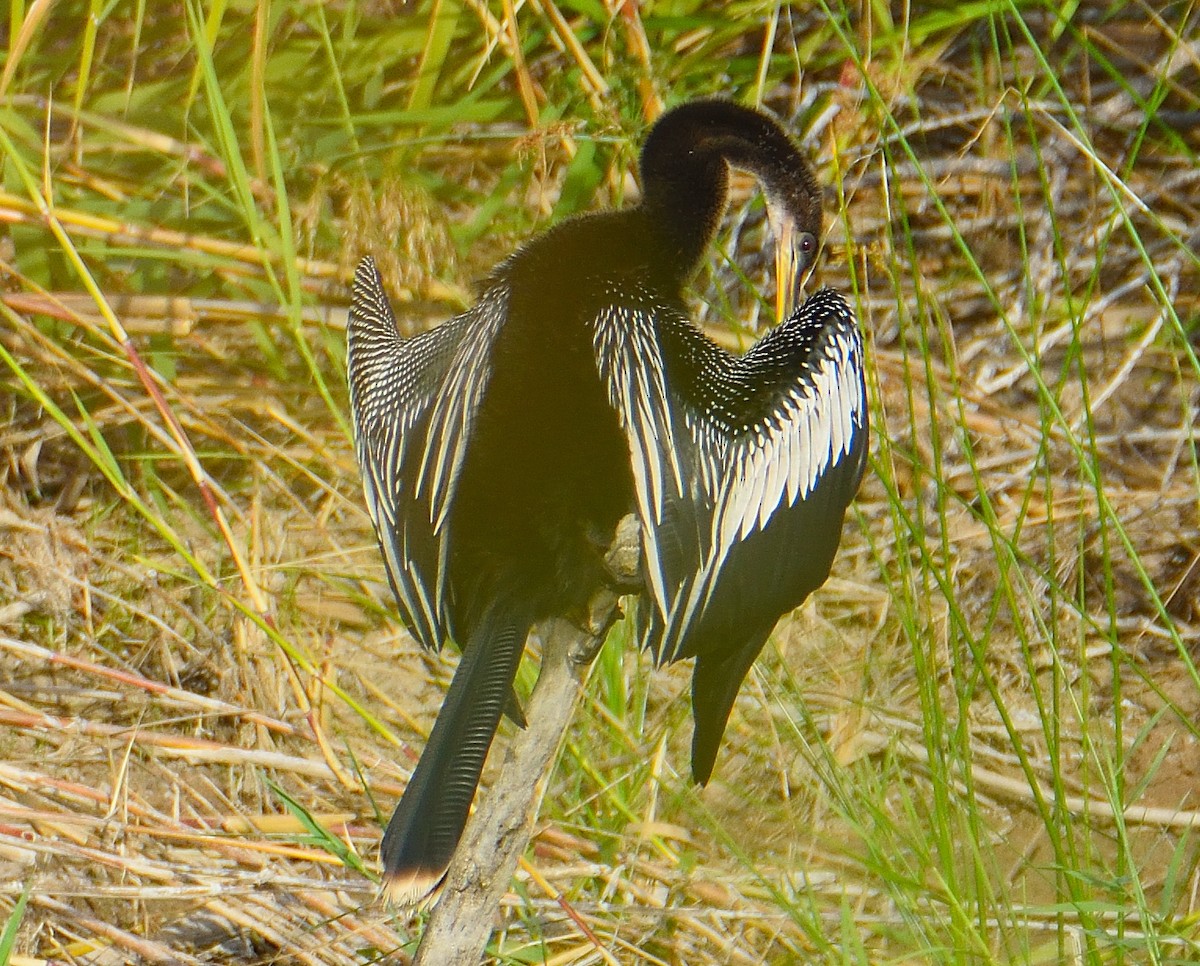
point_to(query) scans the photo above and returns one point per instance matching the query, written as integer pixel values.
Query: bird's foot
(623, 558)
(604, 609)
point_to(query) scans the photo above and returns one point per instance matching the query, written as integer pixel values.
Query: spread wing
(413, 402)
(743, 466)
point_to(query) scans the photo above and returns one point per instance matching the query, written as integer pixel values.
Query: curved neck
(685, 177)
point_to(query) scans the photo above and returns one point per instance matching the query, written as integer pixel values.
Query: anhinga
(500, 450)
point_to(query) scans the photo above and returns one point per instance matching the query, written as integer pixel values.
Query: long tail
(427, 824)
(716, 681)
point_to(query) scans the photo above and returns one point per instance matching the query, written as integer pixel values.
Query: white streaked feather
(837, 437)
(735, 500)
(646, 429)
(755, 481)
(737, 478)
(816, 453)
(455, 407)
(775, 486)
(799, 437)
(409, 477)
(629, 361)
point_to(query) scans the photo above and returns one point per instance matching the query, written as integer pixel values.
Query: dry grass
(977, 744)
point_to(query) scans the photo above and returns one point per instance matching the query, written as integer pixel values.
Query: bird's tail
(716, 681)
(427, 824)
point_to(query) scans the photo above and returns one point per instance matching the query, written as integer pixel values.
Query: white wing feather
(740, 478)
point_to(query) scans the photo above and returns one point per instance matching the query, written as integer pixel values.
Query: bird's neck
(661, 250)
(681, 211)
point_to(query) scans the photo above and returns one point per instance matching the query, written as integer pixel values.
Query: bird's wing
(413, 403)
(743, 466)
(670, 498)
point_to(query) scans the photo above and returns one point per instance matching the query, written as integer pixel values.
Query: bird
(500, 450)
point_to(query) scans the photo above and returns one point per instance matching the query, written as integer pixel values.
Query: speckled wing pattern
(727, 452)
(413, 402)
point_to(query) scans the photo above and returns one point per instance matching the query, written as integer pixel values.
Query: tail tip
(702, 768)
(411, 886)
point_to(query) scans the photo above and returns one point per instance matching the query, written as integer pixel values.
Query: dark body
(536, 507)
(500, 450)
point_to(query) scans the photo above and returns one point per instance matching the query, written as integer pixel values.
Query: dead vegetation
(978, 743)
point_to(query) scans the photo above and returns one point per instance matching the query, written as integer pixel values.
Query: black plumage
(500, 450)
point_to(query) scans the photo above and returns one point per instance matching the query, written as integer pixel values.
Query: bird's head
(684, 169)
(795, 252)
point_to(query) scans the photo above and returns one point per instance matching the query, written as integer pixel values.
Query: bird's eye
(807, 243)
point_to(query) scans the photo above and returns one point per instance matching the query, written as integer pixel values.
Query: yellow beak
(787, 267)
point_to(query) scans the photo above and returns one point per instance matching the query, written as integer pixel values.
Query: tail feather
(428, 823)
(715, 685)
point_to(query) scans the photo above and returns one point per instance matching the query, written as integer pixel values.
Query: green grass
(977, 744)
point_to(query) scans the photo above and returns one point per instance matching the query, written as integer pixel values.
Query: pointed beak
(788, 264)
